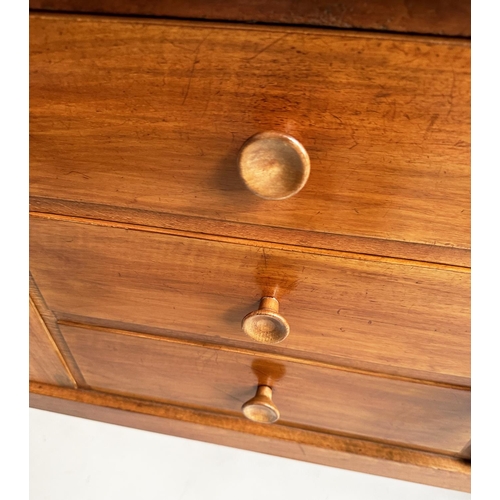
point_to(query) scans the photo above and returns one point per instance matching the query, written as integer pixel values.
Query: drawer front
(219, 379)
(401, 319)
(150, 115)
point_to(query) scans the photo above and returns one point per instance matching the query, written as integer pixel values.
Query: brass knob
(261, 408)
(266, 325)
(273, 165)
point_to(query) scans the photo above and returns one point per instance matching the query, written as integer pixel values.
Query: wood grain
(360, 247)
(396, 318)
(403, 413)
(166, 106)
(307, 445)
(256, 350)
(46, 363)
(50, 323)
(438, 17)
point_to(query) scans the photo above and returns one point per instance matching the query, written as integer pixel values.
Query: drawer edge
(385, 19)
(356, 247)
(310, 446)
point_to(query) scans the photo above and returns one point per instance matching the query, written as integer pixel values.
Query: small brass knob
(273, 165)
(266, 325)
(261, 408)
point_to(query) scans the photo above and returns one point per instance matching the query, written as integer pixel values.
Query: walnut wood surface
(439, 17)
(278, 439)
(360, 247)
(150, 115)
(394, 317)
(421, 416)
(46, 363)
(50, 323)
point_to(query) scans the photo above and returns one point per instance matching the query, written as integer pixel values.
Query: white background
(77, 459)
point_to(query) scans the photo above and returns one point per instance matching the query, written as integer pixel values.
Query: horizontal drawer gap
(343, 243)
(252, 26)
(310, 436)
(246, 242)
(221, 413)
(243, 24)
(272, 356)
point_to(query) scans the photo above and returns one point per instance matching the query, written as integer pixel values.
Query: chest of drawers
(147, 249)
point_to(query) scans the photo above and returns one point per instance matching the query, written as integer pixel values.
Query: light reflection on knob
(261, 408)
(266, 325)
(273, 165)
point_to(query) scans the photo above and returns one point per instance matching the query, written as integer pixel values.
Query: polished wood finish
(438, 17)
(149, 246)
(266, 325)
(368, 314)
(385, 121)
(273, 165)
(46, 362)
(155, 368)
(50, 323)
(278, 439)
(351, 246)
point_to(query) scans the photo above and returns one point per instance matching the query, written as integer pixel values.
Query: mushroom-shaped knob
(273, 165)
(261, 408)
(266, 325)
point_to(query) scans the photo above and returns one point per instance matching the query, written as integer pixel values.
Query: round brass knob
(273, 165)
(261, 408)
(266, 325)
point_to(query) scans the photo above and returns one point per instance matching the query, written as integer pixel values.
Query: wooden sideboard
(147, 249)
